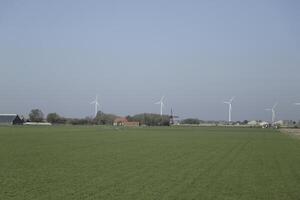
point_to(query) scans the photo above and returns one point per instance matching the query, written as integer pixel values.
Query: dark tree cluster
(36, 115)
(150, 119)
(190, 121)
(104, 119)
(54, 118)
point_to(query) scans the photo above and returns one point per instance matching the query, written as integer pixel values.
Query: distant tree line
(191, 121)
(100, 119)
(198, 121)
(148, 119)
(54, 118)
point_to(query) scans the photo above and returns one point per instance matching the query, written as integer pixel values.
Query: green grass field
(147, 163)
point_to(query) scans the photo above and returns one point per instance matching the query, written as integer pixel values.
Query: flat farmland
(70, 162)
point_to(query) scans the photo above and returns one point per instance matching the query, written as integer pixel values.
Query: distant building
(122, 121)
(253, 123)
(289, 123)
(131, 124)
(264, 124)
(38, 124)
(280, 122)
(10, 119)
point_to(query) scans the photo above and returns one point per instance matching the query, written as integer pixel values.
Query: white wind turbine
(161, 102)
(230, 107)
(273, 112)
(96, 105)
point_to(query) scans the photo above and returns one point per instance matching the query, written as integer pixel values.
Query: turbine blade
(297, 104)
(275, 105)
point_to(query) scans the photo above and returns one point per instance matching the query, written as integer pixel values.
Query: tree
(150, 119)
(85, 121)
(245, 122)
(36, 115)
(54, 118)
(190, 121)
(104, 119)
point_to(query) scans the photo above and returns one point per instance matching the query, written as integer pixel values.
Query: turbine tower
(161, 102)
(273, 112)
(230, 108)
(96, 105)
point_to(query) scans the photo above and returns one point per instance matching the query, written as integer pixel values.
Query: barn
(10, 119)
(122, 121)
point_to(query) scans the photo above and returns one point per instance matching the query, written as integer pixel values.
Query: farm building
(10, 119)
(264, 124)
(253, 123)
(131, 124)
(280, 122)
(37, 124)
(122, 121)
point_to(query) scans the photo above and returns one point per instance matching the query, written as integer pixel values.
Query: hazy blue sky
(57, 55)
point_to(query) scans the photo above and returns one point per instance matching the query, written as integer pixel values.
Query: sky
(58, 55)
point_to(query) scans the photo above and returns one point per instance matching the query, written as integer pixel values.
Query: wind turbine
(230, 107)
(96, 105)
(273, 112)
(161, 102)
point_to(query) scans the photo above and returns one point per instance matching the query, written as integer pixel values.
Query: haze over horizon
(58, 55)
